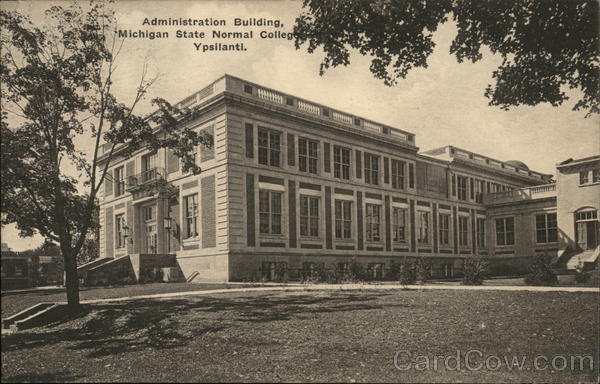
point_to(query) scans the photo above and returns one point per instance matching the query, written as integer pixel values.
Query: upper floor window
(149, 212)
(190, 206)
(309, 216)
(461, 182)
(444, 229)
(149, 163)
(371, 169)
(269, 209)
(119, 181)
(341, 163)
(399, 225)
(398, 174)
(546, 230)
(505, 231)
(373, 220)
(423, 227)
(343, 219)
(463, 231)
(584, 177)
(595, 175)
(308, 157)
(194, 156)
(269, 147)
(479, 189)
(120, 231)
(481, 233)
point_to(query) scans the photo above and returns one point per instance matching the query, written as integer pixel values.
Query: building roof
(573, 162)
(518, 164)
(514, 167)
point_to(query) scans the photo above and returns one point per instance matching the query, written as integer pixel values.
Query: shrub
(357, 271)
(475, 271)
(151, 275)
(423, 270)
(280, 272)
(512, 267)
(541, 273)
(407, 273)
(581, 276)
(394, 272)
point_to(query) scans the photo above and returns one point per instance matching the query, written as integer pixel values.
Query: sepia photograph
(335, 191)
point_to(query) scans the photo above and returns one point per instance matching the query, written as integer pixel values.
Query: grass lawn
(312, 336)
(13, 302)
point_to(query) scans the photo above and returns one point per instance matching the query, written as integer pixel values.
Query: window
(190, 204)
(149, 171)
(148, 212)
(584, 177)
(373, 222)
(462, 187)
(343, 219)
(269, 147)
(481, 233)
(586, 215)
(371, 169)
(587, 229)
(19, 270)
(194, 156)
(423, 227)
(376, 270)
(312, 270)
(479, 188)
(274, 271)
(270, 212)
(341, 163)
(505, 231)
(120, 231)
(596, 176)
(343, 269)
(448, 270)
(309, 216)
(308, 155)
(546, 228)
(444, 229)
(398, 174)
(463, 231)
(399, 224)
(119, 182)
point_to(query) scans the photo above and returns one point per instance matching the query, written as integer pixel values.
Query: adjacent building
(291, 185)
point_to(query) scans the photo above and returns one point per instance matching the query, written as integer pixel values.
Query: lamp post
(167, 226)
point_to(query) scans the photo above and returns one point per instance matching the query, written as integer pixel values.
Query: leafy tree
(545, 46)
(57, 92)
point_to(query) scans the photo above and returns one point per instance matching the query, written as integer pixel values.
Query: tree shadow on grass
(110, 328)
(49, 377)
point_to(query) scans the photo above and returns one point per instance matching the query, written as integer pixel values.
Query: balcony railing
(146, 177)
(529, 193)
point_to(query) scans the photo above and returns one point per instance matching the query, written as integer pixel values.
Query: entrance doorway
(150, 235)
(587, 229)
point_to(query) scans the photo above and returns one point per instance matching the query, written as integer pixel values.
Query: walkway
(350, 287)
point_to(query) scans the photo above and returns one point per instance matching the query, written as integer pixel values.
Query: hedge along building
(290, 184)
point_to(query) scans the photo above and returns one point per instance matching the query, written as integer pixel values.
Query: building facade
(290, 185)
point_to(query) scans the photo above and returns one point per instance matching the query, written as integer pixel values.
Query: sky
(443, 104)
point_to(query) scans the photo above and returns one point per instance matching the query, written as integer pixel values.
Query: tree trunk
(71, 280)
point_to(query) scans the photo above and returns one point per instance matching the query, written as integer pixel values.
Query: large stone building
(290, 184)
